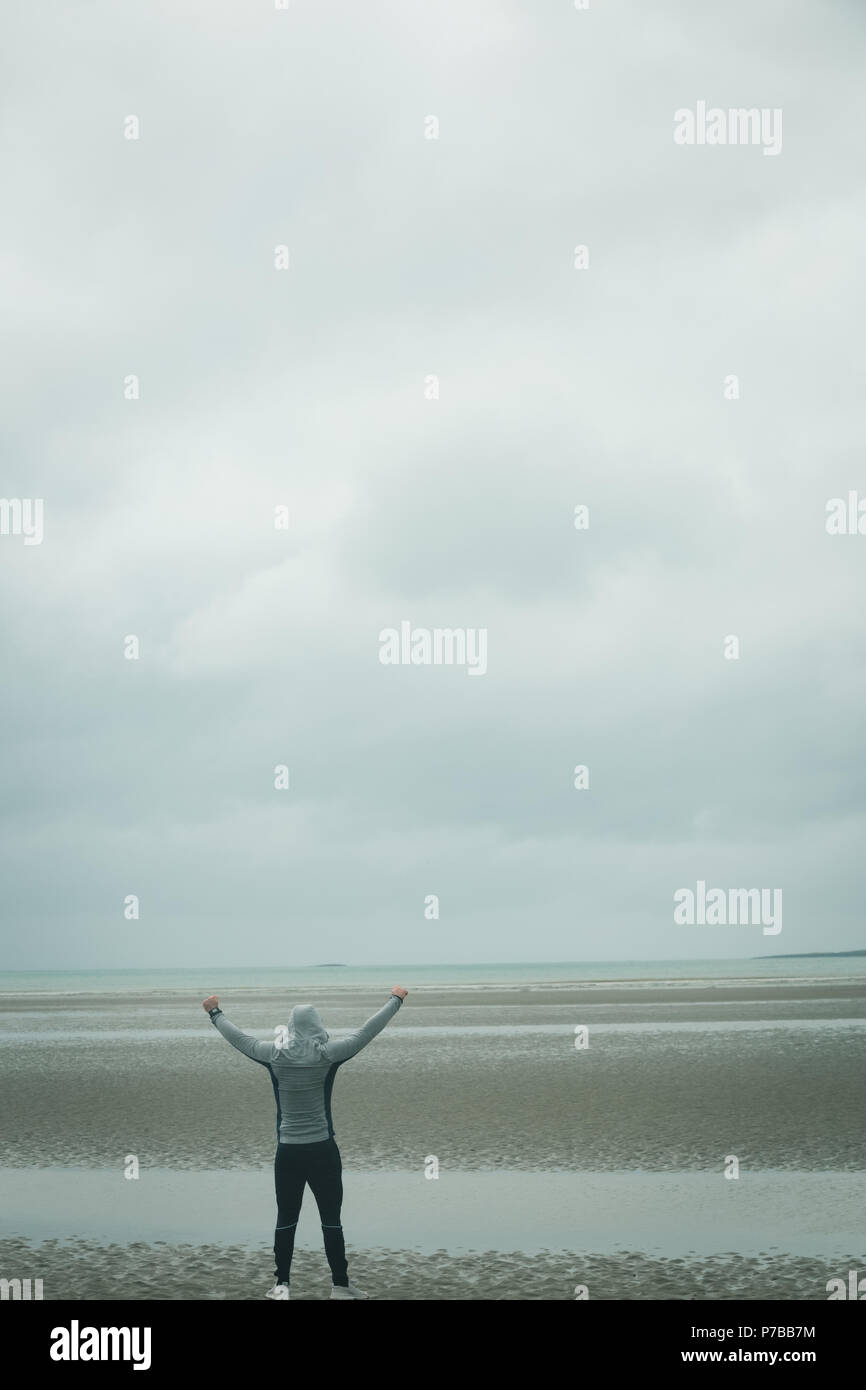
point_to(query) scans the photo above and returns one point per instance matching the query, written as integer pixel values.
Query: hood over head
(307, 1035)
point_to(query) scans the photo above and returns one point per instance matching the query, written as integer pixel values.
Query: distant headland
(811, 955)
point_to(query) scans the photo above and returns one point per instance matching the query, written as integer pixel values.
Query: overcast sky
(411, 257)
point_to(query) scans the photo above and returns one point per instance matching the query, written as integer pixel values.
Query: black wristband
(212, 1013)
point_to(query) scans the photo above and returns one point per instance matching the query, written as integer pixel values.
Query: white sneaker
(279, 1291)
(339, 1291)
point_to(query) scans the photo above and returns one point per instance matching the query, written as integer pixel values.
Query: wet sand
(489, 1081)
(663, 1085)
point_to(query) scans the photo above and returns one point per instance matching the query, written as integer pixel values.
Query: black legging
(320, 1165)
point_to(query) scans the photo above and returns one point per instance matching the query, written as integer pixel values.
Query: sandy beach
(90, 1271)
(628, 1137)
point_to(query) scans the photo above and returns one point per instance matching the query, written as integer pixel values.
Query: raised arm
(250, 1047)
(349, 1047)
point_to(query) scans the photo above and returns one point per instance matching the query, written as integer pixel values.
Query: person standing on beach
(302, 1074)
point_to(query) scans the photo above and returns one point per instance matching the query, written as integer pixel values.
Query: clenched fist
(210, 1003)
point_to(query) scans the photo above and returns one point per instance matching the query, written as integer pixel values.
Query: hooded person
(302, 1072)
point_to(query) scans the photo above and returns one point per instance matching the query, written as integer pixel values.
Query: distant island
(332, 965)
(811, 955)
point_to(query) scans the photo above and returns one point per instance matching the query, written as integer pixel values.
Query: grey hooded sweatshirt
(302, 1073)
